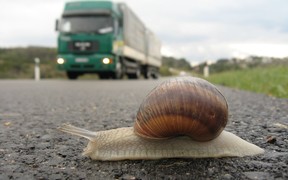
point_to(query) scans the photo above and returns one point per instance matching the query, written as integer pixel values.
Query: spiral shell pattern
(182, 106)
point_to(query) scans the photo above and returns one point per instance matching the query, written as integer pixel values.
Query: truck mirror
(56, 25)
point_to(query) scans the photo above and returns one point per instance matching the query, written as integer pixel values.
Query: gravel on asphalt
(32, 148)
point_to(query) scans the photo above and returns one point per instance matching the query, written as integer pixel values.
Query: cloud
(193, 29)
(265, 49)
(29, 22)
(212, 31)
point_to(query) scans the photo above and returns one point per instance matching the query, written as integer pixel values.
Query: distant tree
(19, 62)
(181, 64)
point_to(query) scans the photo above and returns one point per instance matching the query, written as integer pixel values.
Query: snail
(180, 118)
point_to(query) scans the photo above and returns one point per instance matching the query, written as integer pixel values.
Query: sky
(197, 30)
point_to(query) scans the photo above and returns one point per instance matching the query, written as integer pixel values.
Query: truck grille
(82, 66)
(83, 46)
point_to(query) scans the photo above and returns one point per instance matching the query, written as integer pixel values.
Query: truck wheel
(147, 73)
(72, 75)
(155, 75)
(118, 74)
(135, 75)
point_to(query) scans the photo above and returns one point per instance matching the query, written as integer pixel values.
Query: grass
(272, 81)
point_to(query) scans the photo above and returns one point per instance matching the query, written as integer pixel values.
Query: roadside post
(206, 69)
(37, 69)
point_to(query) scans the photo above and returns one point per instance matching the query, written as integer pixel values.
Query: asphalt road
(32, 148)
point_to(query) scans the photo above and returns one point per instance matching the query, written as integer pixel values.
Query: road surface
(32, 148)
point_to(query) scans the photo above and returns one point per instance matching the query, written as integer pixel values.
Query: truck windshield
(86, 24)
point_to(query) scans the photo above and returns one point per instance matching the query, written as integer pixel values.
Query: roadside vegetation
(257, 74)
(18, 63)
(270, 80)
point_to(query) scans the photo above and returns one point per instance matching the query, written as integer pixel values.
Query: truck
(106, 38)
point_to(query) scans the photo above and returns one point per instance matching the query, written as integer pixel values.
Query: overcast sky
(197, 30)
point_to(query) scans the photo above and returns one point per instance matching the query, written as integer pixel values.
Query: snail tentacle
(77, 131)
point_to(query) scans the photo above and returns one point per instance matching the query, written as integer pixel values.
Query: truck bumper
(87, 63)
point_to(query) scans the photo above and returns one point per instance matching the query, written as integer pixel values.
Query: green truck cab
(106, 38)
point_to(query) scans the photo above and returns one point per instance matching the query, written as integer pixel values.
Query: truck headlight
(107, 61)
(60, 61)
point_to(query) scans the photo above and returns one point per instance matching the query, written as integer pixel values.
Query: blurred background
(244, 43)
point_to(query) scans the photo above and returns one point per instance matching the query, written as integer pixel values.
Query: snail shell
(191, 110)
(182, 106)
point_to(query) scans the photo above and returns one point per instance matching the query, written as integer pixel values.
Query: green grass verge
(272, 81)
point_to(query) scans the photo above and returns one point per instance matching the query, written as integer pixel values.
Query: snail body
(180, 118)
(123, 143)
